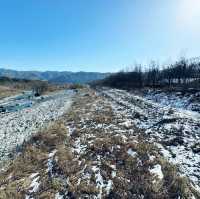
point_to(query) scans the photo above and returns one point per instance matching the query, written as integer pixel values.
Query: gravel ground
(18, 126)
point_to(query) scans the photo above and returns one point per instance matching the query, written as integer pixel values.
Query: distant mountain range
(54, 76)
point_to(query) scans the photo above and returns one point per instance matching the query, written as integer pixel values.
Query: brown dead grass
(15, 181)
(7, 91)
(133, 178)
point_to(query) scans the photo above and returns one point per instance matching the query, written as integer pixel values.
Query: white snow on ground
(18, 126)
(58, 196)
(100, 182)
(174, 130)
(188, 101)
(33, 175)
(99, 179)
(157, 171)
(78, 147)
(52, 153)
(131, 152)
(35, 184)
(50, 162)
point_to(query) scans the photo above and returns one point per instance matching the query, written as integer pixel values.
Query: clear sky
(96, 35)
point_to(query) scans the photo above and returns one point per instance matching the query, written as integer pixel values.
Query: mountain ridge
(54, 76)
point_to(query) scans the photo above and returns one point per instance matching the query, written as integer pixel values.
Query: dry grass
(16, 181)
(136, 171)
(73, 173)
(7, 91)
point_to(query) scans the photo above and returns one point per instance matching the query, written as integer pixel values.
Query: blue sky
(96, 35)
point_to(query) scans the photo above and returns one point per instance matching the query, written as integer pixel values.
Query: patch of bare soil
(92, 153)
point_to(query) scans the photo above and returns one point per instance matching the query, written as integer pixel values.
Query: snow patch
(131, 152)
(157, 171)
(34, 185)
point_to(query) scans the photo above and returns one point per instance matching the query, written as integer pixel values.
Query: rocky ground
(94, 151)
(25, 116)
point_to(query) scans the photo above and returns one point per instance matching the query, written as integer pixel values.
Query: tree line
(183, 73)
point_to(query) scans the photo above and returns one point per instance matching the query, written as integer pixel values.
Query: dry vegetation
(91, 153)
(7, 91)
(12, 86)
